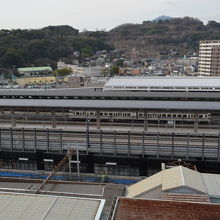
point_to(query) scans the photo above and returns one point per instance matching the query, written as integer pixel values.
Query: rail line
(154, 144)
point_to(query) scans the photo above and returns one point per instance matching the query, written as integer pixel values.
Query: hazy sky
(100, 14)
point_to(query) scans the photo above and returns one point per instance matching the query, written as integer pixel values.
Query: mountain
(40, 47)
(153, 39)
(162, 18)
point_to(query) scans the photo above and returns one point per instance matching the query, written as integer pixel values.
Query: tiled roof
(130, 209)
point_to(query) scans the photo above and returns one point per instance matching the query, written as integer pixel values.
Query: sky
(99, 14)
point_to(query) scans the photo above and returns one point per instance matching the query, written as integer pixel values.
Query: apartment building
(209, 58)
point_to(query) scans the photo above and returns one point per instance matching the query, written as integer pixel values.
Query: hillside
(152, 39)
(46, 46)
(20, 48)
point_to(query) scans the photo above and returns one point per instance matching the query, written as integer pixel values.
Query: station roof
(98, 93)
(36, 207)
(112, 104)
(163, 83)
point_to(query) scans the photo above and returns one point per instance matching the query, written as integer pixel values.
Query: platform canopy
(163, 83)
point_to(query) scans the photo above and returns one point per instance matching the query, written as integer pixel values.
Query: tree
(114, 70)
(62, 72)
(10, 58)
(213, 24)
(119, 63)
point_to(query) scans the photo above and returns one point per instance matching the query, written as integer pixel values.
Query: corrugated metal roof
(36, 207)
(144, 185)
(182, 176)
(174, 82)
(212, 184)
(112, 104)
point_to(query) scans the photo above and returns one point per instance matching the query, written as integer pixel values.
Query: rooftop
(176, 180)
(129, 209)
(32, 206)
(96, 191)
(35, 69)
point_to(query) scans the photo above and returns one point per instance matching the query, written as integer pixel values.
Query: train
(139, 115)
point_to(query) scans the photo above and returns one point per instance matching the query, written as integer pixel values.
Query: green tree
(62, 72)
(12, 57)
(114, 70)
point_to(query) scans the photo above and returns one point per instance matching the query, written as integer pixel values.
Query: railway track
(172, 145)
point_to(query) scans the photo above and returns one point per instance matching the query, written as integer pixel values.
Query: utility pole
(57, 80)
(45, 86)
(77, 159)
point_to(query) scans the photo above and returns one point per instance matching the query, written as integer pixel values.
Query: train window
(129, 114)
(189, 116)
(200, 116)
(106, 113)
(179, 116)
(174, 115)
(184, 116)
(101, 113)
(164, 115)
(169, 115)
(77, 113)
